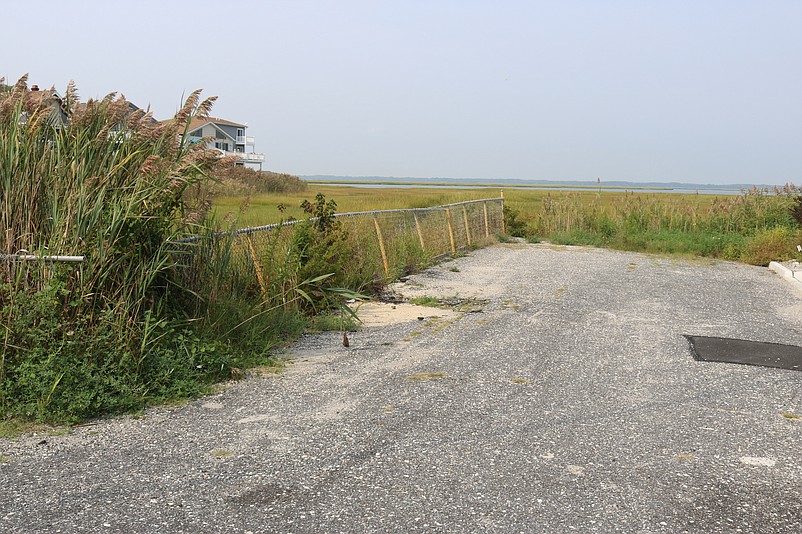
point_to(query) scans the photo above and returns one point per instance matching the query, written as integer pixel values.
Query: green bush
(66, 372)
(514, 226)
(326, 256)
(774, 244)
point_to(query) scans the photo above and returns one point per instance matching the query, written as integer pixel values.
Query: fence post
(381, 245)
(503, 229)
(487, 227)
(258, 268)
(467, 226)
(420, 233)
(450, 231)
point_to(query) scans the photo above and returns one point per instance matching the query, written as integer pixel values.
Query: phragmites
(193, 107)
(30, 107)
(195, 215)
(70, 96)
(87, 177)
(152, 165)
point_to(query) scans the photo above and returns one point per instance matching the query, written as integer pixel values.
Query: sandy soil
(381, 314)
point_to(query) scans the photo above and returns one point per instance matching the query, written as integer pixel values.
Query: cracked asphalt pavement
(563, 399)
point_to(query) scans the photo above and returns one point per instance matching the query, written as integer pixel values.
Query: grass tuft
(422, 377)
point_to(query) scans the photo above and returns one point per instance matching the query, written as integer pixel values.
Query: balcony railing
(248, 157)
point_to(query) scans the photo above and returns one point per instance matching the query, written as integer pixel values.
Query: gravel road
(561, 398)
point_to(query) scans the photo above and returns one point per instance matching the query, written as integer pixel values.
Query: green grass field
(263, 208)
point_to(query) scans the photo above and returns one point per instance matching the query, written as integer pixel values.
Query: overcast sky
(696, 91)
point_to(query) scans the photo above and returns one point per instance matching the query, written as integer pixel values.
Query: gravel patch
(564, 399)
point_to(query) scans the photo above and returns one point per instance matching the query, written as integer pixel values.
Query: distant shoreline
(385, 182)
(482, 185)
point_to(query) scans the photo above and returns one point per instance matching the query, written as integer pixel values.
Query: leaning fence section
(385, 240)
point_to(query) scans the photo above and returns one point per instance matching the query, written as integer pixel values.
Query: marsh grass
(757, 226)
(262, 208)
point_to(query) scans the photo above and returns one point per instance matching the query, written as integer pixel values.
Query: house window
(220, 135)
(196, 133)
(221, 146)
(240, 132)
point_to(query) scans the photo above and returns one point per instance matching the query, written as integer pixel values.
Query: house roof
(197, 123)
(49, 98)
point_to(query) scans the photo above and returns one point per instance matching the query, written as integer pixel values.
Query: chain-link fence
(387, 238)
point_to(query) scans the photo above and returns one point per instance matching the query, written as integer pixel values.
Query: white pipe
(31, 257)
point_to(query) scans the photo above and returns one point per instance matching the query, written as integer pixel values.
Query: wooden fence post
(487, 225)
(417, 227)
(381, 245)
(450, 231)
(467, 226)
(257, 267)
(503, 229)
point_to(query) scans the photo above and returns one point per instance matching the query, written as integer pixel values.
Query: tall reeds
(105, 181)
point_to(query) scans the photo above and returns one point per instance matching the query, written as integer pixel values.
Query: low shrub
(512, 224)
(773, 244)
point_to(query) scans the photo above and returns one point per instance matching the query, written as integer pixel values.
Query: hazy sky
(694, 91)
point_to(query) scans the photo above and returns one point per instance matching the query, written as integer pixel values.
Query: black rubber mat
(722, 349)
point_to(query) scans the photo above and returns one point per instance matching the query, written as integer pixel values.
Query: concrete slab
(790, 271)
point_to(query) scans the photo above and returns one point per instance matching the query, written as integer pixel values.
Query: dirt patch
(380, 313)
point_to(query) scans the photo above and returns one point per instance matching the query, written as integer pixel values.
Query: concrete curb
(788, 274)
